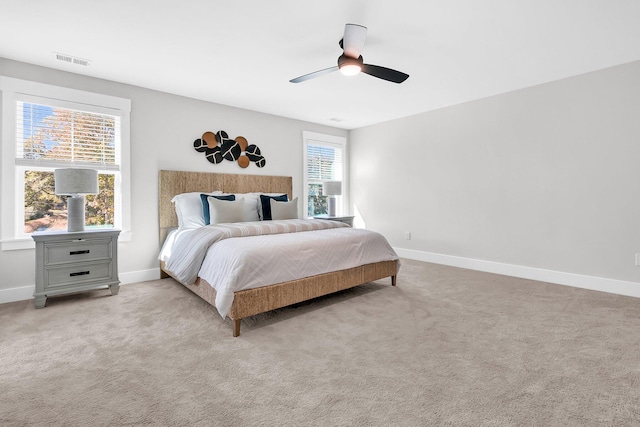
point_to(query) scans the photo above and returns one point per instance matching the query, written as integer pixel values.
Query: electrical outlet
(637, 259)
(407, 236)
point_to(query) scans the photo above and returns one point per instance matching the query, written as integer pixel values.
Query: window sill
(17, 244)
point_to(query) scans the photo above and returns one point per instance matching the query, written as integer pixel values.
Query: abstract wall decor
(218, 147)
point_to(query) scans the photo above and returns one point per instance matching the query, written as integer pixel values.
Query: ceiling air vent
(71, 59)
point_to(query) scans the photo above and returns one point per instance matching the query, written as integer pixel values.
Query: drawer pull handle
(79, 273)
(79, 252)
(79, 240)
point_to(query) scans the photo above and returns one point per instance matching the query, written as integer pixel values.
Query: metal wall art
(218, 147)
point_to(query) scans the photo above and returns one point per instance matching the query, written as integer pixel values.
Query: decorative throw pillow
(205, 204)
(265, 202)
(251, 202)
(189, 209)
(222, 211)
(284, 210)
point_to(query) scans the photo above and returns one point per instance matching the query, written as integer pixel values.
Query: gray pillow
(284, 210)
(222, 211)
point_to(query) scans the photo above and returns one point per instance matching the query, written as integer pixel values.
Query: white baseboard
(601, 284)
(17, 294)
(26, 292)
(139, 276)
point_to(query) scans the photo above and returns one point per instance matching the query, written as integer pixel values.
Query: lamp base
(331, 205)
(75, 213)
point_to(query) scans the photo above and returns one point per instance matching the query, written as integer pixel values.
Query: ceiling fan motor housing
(350, 66)
(347, 60)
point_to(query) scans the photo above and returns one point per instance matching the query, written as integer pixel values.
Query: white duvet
(234, 257)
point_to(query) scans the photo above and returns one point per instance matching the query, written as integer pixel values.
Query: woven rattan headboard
(177, 182)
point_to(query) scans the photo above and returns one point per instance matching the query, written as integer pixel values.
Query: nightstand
(69, 262)
(346, 219)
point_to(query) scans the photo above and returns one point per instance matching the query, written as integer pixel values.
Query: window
(47, 127)
(324, 160)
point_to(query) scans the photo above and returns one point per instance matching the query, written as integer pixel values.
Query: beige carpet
(445, 347)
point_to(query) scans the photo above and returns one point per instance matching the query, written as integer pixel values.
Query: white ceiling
(243, 53)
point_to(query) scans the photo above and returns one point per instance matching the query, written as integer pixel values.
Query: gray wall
(163, 128)
(545, 177)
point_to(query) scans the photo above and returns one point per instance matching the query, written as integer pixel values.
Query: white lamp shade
(76, 181)
(332, 188)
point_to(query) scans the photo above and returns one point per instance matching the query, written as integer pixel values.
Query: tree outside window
(45, 211)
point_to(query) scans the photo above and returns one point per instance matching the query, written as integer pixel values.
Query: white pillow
(189, 209)
(222, 211)
(284, 210)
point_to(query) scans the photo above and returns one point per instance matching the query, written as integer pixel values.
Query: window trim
(332, 141)
(16, 89)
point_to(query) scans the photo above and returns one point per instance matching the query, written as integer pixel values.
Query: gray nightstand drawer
(77, 250)
(73, 274)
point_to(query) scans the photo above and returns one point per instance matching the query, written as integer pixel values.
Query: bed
(253, 301)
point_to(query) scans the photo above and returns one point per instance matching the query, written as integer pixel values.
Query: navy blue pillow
(205, 205)
(266, 204)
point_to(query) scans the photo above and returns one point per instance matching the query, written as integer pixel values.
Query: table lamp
(332, 188)
(75, 183)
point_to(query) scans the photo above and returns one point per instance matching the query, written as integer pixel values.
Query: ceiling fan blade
(313, 75)
(353, 40)
(384, 73)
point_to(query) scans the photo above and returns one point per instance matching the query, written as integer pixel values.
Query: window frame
(335, 142)
(12, 236)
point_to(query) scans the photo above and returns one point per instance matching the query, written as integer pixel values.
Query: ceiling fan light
(350, 69)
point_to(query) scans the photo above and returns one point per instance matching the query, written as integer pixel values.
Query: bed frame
(259, 300)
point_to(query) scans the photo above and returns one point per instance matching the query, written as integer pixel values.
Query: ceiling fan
(351, 63)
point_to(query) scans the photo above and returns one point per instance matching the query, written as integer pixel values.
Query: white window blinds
(53, 135)
(324, 163)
